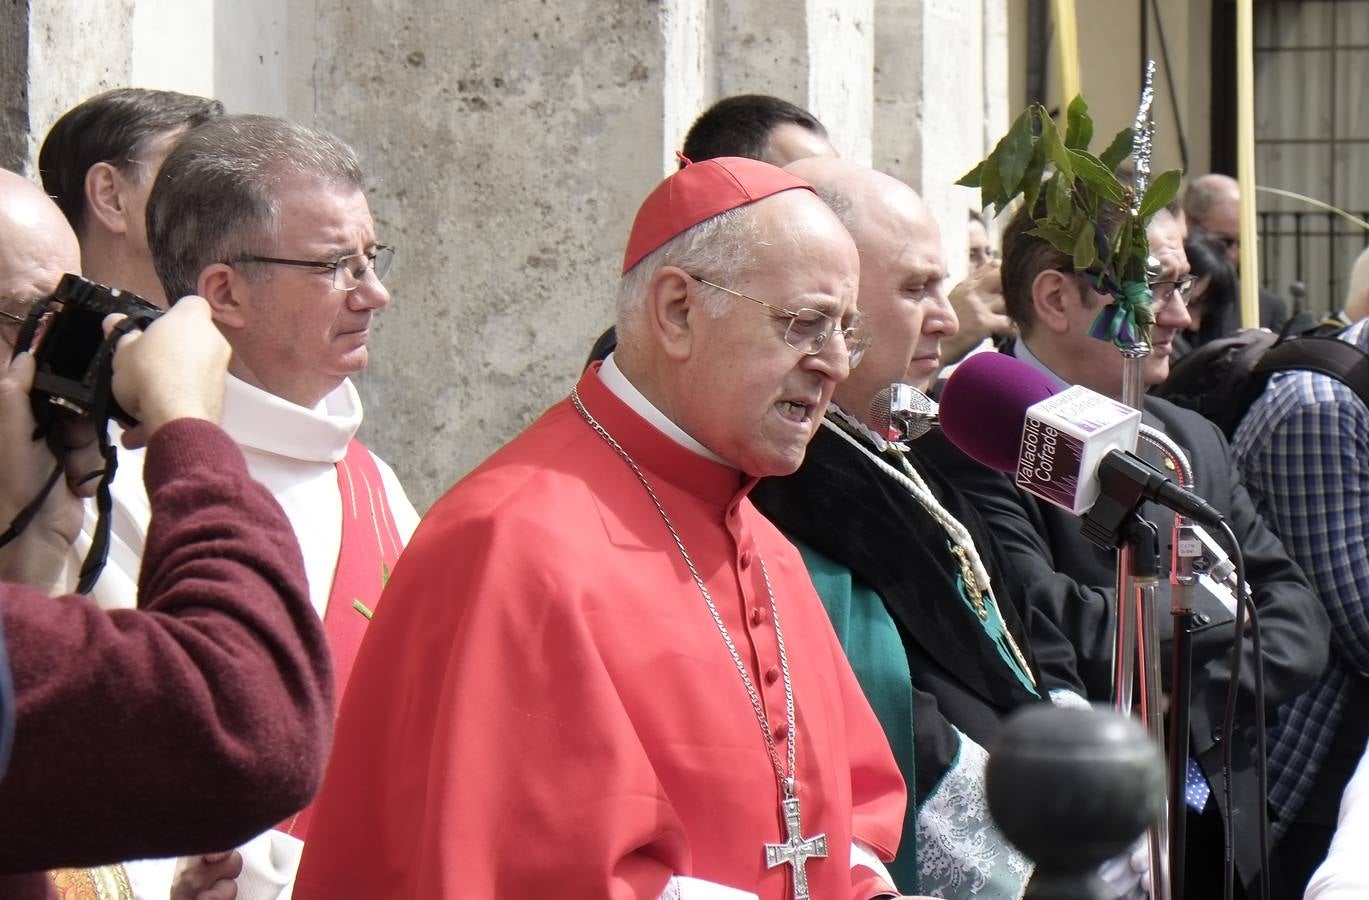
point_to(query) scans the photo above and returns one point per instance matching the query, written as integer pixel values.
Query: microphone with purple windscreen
(984, 403)
(1066, 451)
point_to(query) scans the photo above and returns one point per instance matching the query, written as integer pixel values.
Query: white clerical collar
(1023, 352)
(262, 421)
(618, 385)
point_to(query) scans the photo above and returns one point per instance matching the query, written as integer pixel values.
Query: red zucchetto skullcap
(699, 192)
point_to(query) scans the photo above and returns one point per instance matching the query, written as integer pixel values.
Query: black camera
(71, 354)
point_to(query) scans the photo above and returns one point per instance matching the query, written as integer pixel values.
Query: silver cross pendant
(796, 851)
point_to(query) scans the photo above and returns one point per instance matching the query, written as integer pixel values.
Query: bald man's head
(1212, 204)
(902, 295)
(37, 247)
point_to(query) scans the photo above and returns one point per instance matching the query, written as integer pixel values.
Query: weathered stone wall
(75, 48)
(14, 86)
(508, 145)
(938, 88)
(506, 154)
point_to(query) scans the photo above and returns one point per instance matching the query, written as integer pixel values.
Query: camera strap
(24, 340)
(22, 343)
(43, 431)
(49, 429)
(25, 516)
(101, 411)
(94, 563)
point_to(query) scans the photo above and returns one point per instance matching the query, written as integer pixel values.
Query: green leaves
(1014, 153)
(1054, 150)
(1094, 174)
(1118, 150)
(1160, 194)
(1031, 181)
(1079, 125)
(1079, 189)
(1057, 235)
(991, 187)
(1058, 205)
(1013, 167)
(1085, 248)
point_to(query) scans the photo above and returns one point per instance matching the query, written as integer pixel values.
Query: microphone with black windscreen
(1072, 788)
(1070, 447)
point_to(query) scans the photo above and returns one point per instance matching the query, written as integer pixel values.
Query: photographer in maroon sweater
(202, 717)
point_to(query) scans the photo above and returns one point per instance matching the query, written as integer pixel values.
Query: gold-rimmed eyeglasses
(347, 270)
(809, 329)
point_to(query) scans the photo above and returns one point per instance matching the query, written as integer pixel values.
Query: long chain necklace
(978, 591)
(796, 850)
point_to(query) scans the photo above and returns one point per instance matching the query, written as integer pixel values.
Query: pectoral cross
(796, 851)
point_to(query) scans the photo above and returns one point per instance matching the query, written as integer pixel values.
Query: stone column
(174, 45)
(818, 54)
(56, 53)
(690, 76)
(14, 87)
(940, 101)
(507, 148)
(841, 72)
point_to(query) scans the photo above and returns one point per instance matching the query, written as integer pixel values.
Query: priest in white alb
(291, 267)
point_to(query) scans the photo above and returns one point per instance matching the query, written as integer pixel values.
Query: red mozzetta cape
(543, 706)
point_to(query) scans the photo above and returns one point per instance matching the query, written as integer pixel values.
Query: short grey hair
(718, 249)
(216, 197)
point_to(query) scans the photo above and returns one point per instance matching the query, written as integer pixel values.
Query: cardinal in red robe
(597, 671)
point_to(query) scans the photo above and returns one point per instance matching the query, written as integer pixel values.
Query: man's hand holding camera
(173, 370)
(37, 556)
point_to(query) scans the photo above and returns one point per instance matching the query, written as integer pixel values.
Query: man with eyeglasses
(927, 607)
(599, 671)
(98, 161)
(266, 220)
(1071, 582)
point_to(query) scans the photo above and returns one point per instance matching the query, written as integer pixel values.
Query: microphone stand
(1187, 549)
(1183, 580)
(1124, 644)
(1137, 642)
(1138, 547)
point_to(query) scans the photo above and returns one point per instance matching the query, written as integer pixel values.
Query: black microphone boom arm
(1125, 482)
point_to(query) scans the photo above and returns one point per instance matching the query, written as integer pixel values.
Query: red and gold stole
(370, 546)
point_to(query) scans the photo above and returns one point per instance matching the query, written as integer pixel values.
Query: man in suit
(1070, 581)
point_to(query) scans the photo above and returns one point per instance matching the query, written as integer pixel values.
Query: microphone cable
(1244, 607)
